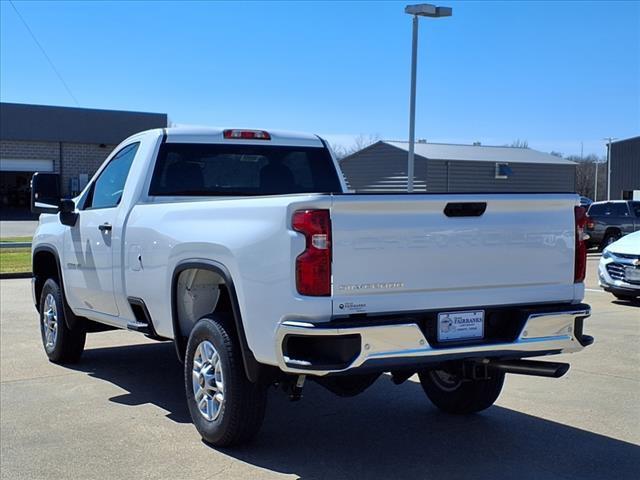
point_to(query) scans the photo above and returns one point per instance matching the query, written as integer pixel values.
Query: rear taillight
(313, 266)
(590, 223)
(580, 264)
(235, 134)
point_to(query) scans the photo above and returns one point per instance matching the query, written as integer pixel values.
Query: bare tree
(519, 144)
(360, 142)
(338, 150)
(586, 176)
(363, 141)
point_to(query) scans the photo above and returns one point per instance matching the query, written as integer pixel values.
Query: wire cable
(24, 22)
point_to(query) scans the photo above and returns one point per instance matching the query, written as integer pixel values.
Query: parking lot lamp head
(428, 10)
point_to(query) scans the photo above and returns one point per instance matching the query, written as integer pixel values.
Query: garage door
(21, 165)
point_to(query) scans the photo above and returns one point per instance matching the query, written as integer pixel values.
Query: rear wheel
(609, 238)
(226, 408)
(61, 344)
(448, 391)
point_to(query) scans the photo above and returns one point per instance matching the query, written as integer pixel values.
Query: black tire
(453, 395)
(66, 345)
(609, 238)
(242, 411)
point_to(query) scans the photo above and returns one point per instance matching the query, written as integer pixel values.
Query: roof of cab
(600, 202)
(215, 135)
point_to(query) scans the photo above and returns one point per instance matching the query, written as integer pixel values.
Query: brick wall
(78, 158)
(17, 150)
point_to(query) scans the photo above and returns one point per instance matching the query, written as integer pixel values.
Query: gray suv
(608, 221)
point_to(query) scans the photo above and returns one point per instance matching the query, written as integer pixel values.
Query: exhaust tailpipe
(530, 367)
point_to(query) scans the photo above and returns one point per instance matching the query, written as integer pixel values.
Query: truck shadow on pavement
(387, 432)
(150, 373)
(627, 303)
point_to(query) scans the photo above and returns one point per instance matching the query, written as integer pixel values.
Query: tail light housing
(580, 264)
(590, 222)
(313, 266)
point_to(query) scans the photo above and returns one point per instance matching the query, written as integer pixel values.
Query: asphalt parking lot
(120, 414)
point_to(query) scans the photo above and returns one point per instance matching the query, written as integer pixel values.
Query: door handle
(105, 227)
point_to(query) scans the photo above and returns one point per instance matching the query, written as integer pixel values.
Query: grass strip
(13, 260)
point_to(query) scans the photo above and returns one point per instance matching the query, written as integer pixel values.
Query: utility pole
(595, 195)
(609, 140)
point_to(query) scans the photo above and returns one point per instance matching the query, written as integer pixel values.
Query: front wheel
(448, 391)
(61, 344)
(226, 408)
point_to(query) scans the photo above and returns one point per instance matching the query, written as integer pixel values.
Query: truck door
(88, 245)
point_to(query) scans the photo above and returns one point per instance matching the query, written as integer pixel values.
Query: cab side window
(619, 210)
(106, 191)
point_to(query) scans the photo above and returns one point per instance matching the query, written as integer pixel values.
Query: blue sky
(553, 73)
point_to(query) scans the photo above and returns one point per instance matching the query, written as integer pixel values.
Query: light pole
(420, 10)
(595, 195)
(609, 140)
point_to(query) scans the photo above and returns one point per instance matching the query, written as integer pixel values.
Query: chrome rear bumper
(541, 334)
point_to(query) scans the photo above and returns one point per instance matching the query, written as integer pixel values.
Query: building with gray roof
(625, 169)
(70, 141)
(439, 167)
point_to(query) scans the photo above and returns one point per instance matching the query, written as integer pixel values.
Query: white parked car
(245, 249)
(619, 269)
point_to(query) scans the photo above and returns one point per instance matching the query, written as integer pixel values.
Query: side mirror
(68, 214)
(45, 192)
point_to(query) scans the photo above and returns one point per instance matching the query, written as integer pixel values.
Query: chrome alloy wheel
(445, 380)
(50, 322)
(207, 380)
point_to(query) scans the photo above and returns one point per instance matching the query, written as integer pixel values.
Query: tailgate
(394, 253)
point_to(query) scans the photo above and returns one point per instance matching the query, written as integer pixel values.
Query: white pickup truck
(245, 249)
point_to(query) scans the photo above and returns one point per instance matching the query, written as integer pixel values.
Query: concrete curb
(16, 275)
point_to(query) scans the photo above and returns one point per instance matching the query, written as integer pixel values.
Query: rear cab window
(598, 209)
(184, 169)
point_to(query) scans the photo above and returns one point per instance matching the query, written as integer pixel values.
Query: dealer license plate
(460, 325)
(632, 274)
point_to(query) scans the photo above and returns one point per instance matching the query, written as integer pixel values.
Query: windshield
(237, 170)
(635, 208)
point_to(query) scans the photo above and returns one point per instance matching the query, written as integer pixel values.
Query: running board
(139, 327)
(530, 367)
(142, 322)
